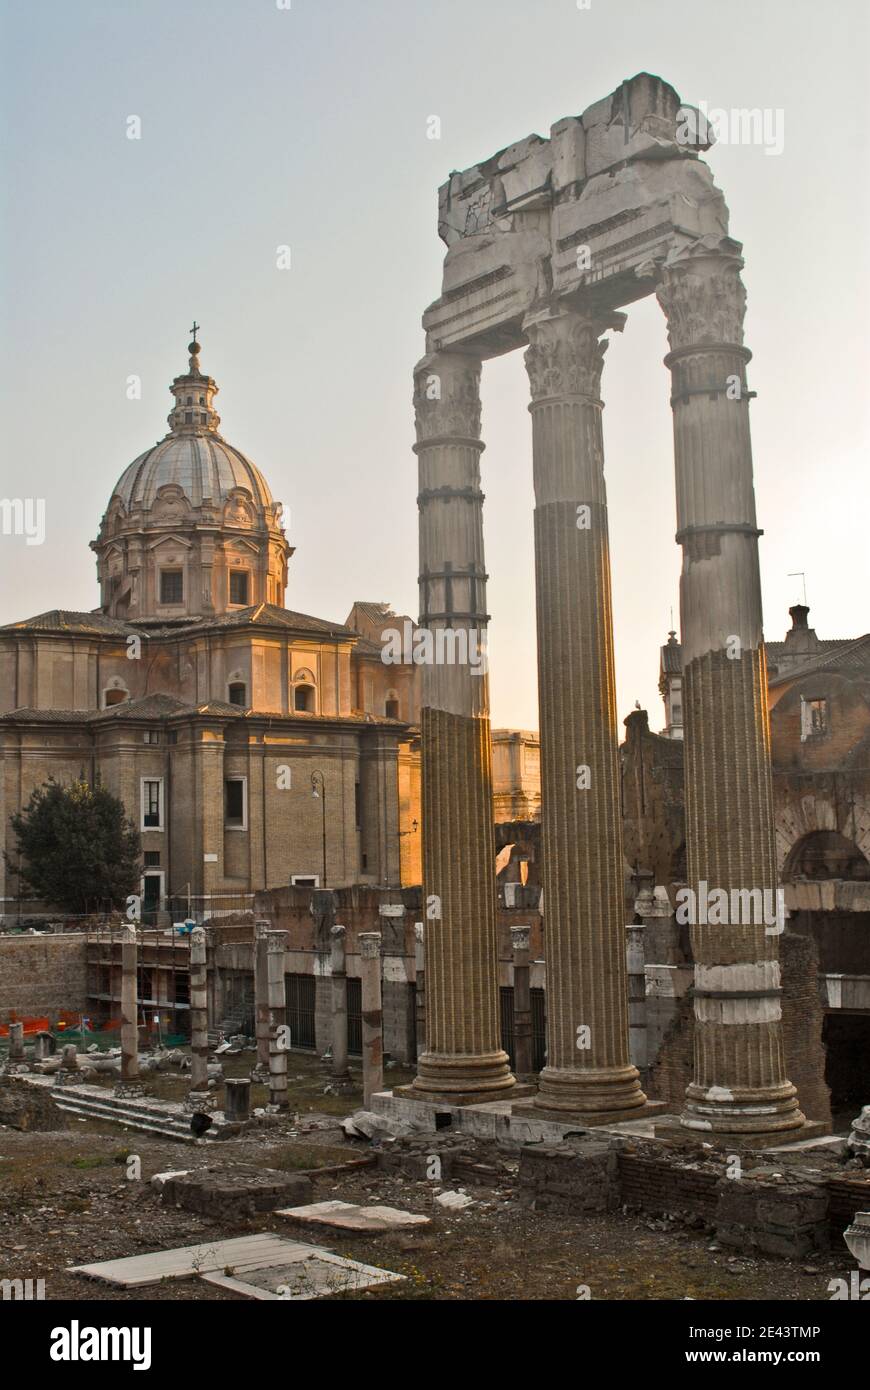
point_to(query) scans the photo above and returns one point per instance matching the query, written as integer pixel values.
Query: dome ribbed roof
(203, 465)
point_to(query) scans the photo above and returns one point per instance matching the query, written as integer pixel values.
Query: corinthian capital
(703, 296)
(447, 396)
(565, 355)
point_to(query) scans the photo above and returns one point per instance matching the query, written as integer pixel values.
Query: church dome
(191, 528)
(202, 464)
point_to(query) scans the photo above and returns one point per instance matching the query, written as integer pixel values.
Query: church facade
(253, 746)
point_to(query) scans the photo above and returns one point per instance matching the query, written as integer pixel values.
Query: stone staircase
(165, 1118)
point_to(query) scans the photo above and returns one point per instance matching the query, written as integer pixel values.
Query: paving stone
(348, 1216)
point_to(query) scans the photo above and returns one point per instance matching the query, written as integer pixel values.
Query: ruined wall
(803, 1019)
(43, 975)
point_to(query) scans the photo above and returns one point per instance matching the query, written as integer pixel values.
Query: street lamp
(318, 781)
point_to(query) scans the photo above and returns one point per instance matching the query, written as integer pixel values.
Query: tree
(76, 848)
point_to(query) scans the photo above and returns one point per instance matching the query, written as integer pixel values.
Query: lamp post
(319, 781)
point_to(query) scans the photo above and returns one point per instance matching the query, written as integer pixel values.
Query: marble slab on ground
(242, 1252)
(321, 1275)
(350, 1216)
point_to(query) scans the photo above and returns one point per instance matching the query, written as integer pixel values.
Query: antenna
(799, 574)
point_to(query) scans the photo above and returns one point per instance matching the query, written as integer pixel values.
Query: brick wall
(42, 975)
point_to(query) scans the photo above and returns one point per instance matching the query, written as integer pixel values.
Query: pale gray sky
(308, 126)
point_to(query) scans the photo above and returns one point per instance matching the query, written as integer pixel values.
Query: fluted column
(463, 1060)
(740, 1083)
(588, 1071)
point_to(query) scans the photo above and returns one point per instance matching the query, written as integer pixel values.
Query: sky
(306, 124)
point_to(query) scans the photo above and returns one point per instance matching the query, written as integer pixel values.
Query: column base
(717, 1110)
(462, 1079)
(673, 1127)
(592, 1091)
(588, 1119)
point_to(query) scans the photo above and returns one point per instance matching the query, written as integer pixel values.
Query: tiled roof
(850, 658)
(51, 716)
(66, 620)
(259, 615)
(146, 707)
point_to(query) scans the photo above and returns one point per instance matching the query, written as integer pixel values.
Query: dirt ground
(65, 1199)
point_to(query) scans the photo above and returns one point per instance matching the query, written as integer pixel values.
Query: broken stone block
(365, 1124)
(454, 1201)
(230, 1193)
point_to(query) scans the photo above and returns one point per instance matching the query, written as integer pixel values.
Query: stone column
(198, 1016)
(523, 1065)
(463, 1061)
(276, 946)
(129, 1009)
(588, 1074)
(339, 1068)
(261, 1000)
(420, 985)
(740, 1084)
(635, 969)
(372, 1021)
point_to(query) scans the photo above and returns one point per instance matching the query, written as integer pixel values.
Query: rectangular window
(151, 736)
(152, 803)
(814, 719)
(239, 586)
(357, 802)
(304, 880)
(152, 859)
(236, 803)
(171, 586)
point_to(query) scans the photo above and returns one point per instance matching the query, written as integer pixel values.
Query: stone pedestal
(463, 1059)
(339, 1068)
(523, 1067)
(372, 1022)
(16, 1042)
(589, 1074)
(740, 1084)
(237, 1099)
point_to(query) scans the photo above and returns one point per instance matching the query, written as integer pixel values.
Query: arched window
(238, 693)
(116, 697)
(391, 709)
(303, 698)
